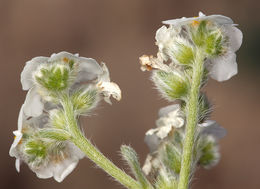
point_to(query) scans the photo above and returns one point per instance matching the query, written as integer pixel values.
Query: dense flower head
(217, 35)
(45, 156)
(45, 76)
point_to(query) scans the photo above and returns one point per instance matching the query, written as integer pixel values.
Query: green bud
(209, 152)
(182, 52)
(84, 100)
(54, 77)
(172, 85)
(214, 43)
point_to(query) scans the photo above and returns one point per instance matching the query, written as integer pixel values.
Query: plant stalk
(192, 120)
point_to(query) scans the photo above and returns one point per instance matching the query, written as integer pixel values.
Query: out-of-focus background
(118, 32)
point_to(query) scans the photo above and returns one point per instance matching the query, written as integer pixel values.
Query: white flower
(87, 69)
(61, 156)
(170, 117)
(222, 67)
(106, 87)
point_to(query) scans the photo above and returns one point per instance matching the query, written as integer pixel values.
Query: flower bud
(85, 100)
(172, 85)
(181, 51)
(208, 149)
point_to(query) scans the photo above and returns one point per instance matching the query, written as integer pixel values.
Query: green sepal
(205, 107)
(53, 78)
(198, 33)
(171, 156)
(55, 134)
(36, 150)
(58, 119)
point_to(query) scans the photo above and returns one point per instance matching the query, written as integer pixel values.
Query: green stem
(192, 119)
(92, 152)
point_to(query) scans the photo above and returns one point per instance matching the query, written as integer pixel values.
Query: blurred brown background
(118, 32)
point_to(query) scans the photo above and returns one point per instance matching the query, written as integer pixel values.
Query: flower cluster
(43, 138)
(189, 51)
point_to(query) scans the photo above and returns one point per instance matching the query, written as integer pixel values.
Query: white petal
(33, 105)
(235, 37)
(213, 128)
(207, 123)
(223, 67)
(44, 173)
(59, 56)
(88, 69)
(17, 164)
(167, 109)
(63, 170)
(220, 19)
(30, 67)
(152, 140)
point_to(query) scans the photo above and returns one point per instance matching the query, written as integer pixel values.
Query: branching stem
(92, 152)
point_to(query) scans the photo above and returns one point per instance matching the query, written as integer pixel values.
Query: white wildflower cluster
(42, 139)
(212, 40)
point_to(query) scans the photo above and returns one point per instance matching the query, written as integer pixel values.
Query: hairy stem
(192, 120)
(92, 152)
